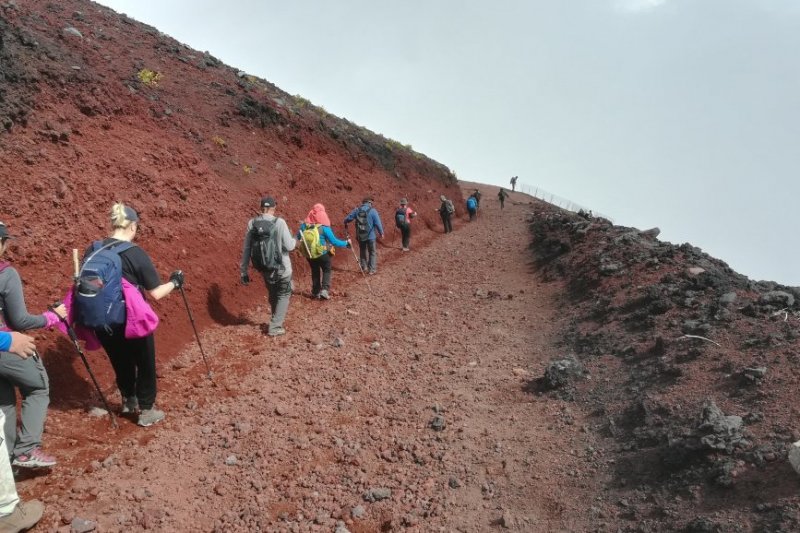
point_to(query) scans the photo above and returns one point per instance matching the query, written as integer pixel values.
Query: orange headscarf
(317, 215)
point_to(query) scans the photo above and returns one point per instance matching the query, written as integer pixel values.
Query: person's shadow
(70, 388)
(219, 313)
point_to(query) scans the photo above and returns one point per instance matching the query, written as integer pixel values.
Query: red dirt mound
(96, 108)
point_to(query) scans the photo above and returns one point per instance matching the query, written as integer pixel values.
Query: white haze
(682, 114)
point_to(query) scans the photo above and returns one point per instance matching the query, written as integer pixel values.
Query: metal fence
(558, 201)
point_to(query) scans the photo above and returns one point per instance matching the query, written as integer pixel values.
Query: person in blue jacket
(320, 264)
(368, 228)
(472, 207)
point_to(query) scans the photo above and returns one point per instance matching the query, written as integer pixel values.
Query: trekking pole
(358, 262)
(74, 338)
(196, 336)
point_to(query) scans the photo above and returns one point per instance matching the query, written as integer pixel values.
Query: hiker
(446, 210)
(118, 312)
(317, 242)
(17, 343)
(15, 515)
(368, 224)
(402, 219)
(477, 196)
(472, 207)
(513, 183)
(27, 375)
(268, 242)
(502, 195)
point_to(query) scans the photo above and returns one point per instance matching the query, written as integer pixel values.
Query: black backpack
(362, 224)
(400, 219)
(266, 252)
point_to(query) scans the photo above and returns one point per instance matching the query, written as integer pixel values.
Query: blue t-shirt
(5, 341)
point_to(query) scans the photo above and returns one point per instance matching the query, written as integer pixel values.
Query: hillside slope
(96, 107)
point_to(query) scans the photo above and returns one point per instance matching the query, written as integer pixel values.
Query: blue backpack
(472, 203)
(99, 301)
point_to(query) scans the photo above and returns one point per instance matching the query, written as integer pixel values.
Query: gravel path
(401, 409)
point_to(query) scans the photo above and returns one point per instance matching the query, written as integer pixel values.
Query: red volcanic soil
(535, 370)
(193, 151)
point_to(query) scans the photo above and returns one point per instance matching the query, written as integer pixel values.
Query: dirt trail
(307, 430)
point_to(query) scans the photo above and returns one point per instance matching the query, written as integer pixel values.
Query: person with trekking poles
(317, 242)
(472, 207)
(402, 219)
(111, 286)
(25, 374)
(502, 195)
(267, 242)
(477, 196)
(513, 183)
(446, 211)
(368, 228)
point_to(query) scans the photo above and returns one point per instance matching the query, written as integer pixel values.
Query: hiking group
(107, 307)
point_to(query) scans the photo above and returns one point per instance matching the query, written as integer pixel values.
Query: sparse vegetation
(219, 141)
(149, 77)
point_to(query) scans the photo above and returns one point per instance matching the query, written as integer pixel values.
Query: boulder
(794, 456)
(777, 298)
(561, 372)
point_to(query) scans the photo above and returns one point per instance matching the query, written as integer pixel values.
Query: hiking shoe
(130, 405)
(276, 331)
(323, 295)
(24, 516)
(406, 249)
(372, 272)
(148, 417)
(35, 458)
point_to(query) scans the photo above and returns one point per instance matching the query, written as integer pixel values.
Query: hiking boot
(35, 458)
(406, 249)
(24, 516)
(372, 272)
(148, 417)
(130, 405)
(276, 331)
(323, 295)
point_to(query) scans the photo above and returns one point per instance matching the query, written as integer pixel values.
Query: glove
(177, 279)
(245, 277)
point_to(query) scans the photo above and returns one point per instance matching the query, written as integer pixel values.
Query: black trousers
(134, 363)
(473, 213)
(448, 226)
(320, 268)
(405, 233)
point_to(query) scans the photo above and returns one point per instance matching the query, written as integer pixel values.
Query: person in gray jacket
(26, 374)
(279, 280)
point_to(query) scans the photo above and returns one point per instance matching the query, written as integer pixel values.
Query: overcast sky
(682, 114)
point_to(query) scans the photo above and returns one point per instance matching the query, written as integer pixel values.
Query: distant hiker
(317, 242)
(268, 242)
(402, 219)
(26, 374)
(513, 183)
(446, 210)
(368, 228)
(15, 515)
(502, 195)
(477, 196)
(110, 298)
(472, 207)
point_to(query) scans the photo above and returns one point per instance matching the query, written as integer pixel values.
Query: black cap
(267, 201)
(4, 232)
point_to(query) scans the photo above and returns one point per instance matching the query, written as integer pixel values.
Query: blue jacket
(5, 341)
(326, 236)
(373, 220)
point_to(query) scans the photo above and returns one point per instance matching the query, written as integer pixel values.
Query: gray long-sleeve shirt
(287, 243)
(13, 313)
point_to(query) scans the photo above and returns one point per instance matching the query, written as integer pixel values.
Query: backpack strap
(98, 246)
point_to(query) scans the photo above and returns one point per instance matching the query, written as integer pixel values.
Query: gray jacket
(287, 244)
(13, 313)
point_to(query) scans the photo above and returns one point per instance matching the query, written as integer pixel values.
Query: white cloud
(636, 6)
